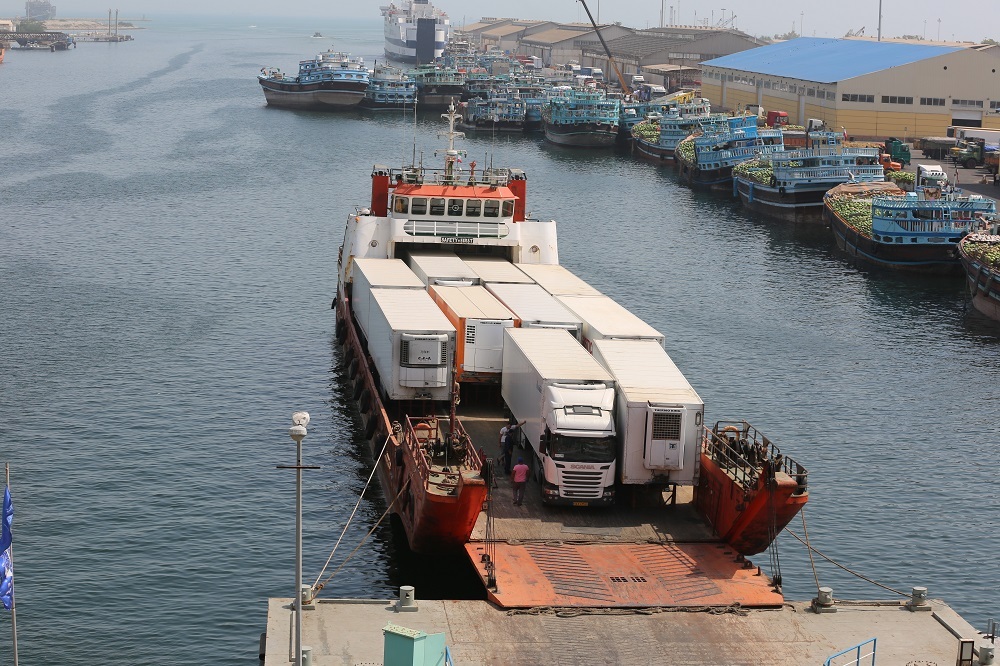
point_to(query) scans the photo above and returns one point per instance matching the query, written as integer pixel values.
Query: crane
(611, 60)
(856, 33)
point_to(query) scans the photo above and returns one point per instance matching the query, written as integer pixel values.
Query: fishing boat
(333, 80)
(706, 158)
(438, 86)
(502, 111)
(415, 31)
(581, 117)
(657, 136)
(979, 253)
(790, 184)
(432, 237)
(389, 88)
(879, 225)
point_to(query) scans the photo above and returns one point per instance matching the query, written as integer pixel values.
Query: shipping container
(412, 345)
(479, 320)
(603, 318)
(368, 274)
(557, 280)
(565, 401)
(536, 308)
(442, 268)
(658, 414)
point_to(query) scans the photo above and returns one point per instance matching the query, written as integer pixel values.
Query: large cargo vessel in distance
(707, 496)
(415, 31)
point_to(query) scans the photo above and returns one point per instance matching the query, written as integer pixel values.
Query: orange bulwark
(620, 575)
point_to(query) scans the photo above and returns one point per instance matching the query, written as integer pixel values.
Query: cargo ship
(706, 159)
(583, 118)
(455, 319)
(980, 256)
(415, 31)
(333, 80)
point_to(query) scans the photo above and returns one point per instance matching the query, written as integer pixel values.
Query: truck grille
(582, 484)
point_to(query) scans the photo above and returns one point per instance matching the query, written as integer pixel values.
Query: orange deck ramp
(622, 575)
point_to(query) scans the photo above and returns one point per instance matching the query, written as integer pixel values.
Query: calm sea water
(167, 261)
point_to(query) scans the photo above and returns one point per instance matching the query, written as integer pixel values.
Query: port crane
(611, 60)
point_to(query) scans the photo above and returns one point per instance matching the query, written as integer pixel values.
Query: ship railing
(745, 453)
(453, 229)
(862, 653)
(428, 441)
(978, 205)
(418, 175)
(843, 173)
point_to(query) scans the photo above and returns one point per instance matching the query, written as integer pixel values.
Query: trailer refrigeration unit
(603, 319)
(659, 416)
(479, 320)
(442, 268)
(536, 308)
(368, 274)
(411, 343)
(558, 280)
(566, 400)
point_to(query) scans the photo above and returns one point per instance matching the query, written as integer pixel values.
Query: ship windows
(437, 206)
(400, 204)
(418, 206)
(508, 207)
(473, 207)
(454, 207)
(491, 208)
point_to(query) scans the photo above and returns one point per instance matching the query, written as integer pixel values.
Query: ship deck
(341, 631)
(616, 556)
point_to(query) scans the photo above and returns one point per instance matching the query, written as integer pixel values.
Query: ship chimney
(380, 191)
(518, 184)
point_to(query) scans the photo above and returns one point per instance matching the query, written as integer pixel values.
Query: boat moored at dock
(980, 256)
(707, 159)
(389, 88)
(656, 138)
(331, 81)
(583, 118)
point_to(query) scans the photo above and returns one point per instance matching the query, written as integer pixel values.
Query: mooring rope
(360, 497)
(812, 562)
(850, 571)
(558, 611)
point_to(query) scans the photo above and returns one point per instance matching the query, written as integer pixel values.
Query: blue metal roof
(827, 60)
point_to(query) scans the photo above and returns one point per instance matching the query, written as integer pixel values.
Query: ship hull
(984, 286)
(437, 511)
(438, 96)
(939, 259)
(713, 179)
(799, 206)
(583, 135)
(321, 96)
(652, 151)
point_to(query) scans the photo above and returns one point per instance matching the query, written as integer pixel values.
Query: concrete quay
(349, 632)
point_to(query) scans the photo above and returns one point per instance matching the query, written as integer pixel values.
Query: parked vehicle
(776, 118)
(935, 147)
(898, 151)
(971, 153)
(566, 400)
(931, 175)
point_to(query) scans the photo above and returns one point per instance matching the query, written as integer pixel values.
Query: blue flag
(6, 568)
(6, 520)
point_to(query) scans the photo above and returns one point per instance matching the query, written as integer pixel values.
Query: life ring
(365, 401)
(730, 428)
(423, 431)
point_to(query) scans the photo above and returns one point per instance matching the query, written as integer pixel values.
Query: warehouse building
(872, 89)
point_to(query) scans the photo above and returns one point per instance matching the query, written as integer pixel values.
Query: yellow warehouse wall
(739, 98)
(712, 92)
(883, 124)
(991, 122)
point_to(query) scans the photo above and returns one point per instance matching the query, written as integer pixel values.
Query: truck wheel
(971, 163)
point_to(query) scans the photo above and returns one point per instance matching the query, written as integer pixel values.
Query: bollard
(823, 603)
(986, 653)
(407, 600)
(307, 655)
(918, 600)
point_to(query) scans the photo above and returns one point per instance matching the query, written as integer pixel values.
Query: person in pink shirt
(520, 479)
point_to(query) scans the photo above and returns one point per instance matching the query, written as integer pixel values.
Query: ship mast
(452, 156)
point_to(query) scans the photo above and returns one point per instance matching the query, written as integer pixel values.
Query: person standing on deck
(520, 480)
(507, 435)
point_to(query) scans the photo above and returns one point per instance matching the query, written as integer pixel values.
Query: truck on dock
(971, 153)
(566, 400)
(658, 416)
(935, 147)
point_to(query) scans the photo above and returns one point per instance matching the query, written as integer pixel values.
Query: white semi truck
(659, 415)
(566, 400)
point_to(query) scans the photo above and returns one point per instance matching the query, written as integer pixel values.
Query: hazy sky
(972, 20)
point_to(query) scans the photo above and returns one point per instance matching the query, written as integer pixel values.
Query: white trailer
(603, 318)
(479, 320)
(659, 414)
(558, 280)
(536, 308)
(566, 400)
(368, 274)
(411, 343)
(442, 268)
(495, 269)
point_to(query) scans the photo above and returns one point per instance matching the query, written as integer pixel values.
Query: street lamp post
(298, 432)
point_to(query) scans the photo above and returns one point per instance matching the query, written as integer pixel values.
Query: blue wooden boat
(656, 138)
(581, 117)
(332, 80)
(707, 159)
(502, 111)
(908, 231)
(790, 184)
(389, 88)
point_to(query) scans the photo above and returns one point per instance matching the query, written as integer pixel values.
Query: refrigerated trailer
(479, 320)
(603, 318)
(495, 269)
(658, 414)
(536, 308)
(411, 343)
(368, 274)
(566, 400)
(443, 268)
(558, 280)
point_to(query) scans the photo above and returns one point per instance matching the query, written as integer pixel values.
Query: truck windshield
(582, 449)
